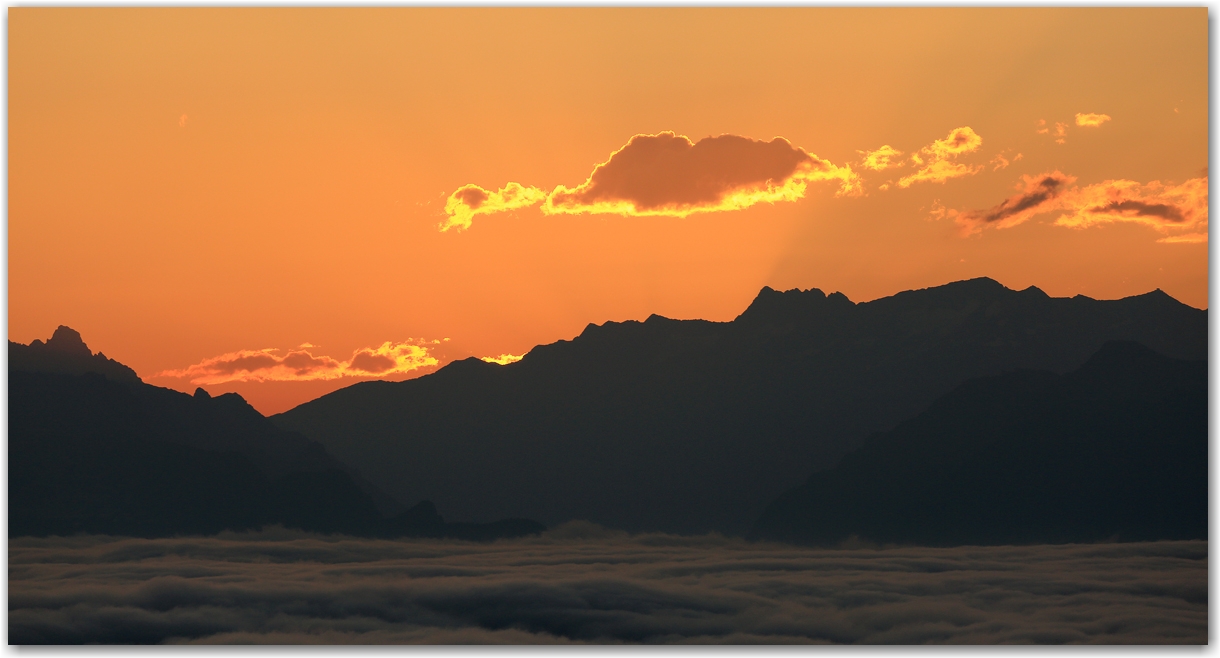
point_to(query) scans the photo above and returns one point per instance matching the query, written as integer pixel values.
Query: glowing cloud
(1060, 132)
(471, 200)
(1061, 128)
(668, 174)
(1037, 194)
(960, 140)
(1178, 211)
(1002, 162)
(883, 158)
(1167, 208)
(301, 365)
(1091, 120)
(935, 160)
(503, 359)
(939, 172)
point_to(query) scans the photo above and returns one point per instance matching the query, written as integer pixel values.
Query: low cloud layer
(580, 583)
(302, 365)
(1177, 211)
(936, 161)
(668, 174)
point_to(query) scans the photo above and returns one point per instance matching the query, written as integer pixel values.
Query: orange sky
(186, 184)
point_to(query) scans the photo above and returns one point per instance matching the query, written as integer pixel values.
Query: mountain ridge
(94, 449)
(692, 425)
(1116, 449)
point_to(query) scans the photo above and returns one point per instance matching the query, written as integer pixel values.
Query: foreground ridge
(691, 426)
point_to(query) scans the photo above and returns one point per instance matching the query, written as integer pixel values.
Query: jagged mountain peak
(67, 340)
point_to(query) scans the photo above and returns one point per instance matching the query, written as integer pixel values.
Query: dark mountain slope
(1116, 449)
(65, 352)
(95, 452)
(691, 426)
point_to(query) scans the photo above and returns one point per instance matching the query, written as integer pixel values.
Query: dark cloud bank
(579, 583)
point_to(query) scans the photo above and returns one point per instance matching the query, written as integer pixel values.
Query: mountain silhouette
(694, 426)
(94, 449)
(65, 352)
(1114, 450)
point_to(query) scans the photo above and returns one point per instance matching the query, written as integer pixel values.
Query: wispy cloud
(471, 200)
(936, 160)
(1060, 133)
(668, 174)
(1037, 194)
(1000, 162)
(883, 158)
(1178, 211)
(302, 364)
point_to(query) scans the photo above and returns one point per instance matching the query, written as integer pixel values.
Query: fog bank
(580, 583)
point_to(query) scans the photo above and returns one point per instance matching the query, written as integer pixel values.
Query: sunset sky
(282, 202)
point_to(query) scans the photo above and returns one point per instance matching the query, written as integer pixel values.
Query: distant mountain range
(693, 426)
(1116, 449)
(93, 449)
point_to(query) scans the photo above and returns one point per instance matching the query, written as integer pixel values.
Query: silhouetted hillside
(98, 452)
(690, 426)
(1116, 449)
(65, 352)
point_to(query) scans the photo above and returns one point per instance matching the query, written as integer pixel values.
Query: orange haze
(201, 192)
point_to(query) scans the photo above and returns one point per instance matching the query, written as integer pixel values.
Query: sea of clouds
(581, 583)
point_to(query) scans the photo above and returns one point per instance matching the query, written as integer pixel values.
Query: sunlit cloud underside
(668, 174)
(302, 365)
(1179, 211)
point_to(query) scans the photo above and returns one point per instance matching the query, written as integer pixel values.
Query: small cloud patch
(936, 161)
(1091, 120)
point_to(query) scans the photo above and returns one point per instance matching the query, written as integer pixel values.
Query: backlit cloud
(302, 365)
(936, 161)
(503, 359)
(1091, 120)
(883, 158)
(668, 174)
(1178, 211)
(960, 140)
(471, 200)
(1037, 194)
